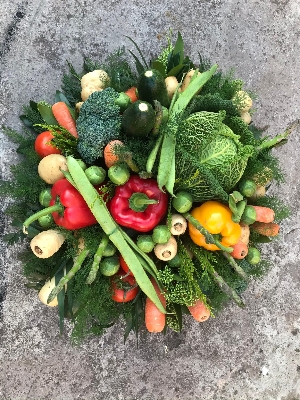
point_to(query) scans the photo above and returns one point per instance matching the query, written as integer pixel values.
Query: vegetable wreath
(143, 193)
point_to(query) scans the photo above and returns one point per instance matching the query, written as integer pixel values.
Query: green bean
(65, 279)
(112, 230)
(166, 158)
(153, 154)
(97, 258)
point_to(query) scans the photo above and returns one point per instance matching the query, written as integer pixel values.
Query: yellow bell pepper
(215, 217)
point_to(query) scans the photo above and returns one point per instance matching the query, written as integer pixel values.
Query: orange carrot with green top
(64, 117)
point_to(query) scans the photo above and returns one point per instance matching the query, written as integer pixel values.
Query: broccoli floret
(98, 123)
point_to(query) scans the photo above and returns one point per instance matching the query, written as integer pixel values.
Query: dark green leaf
(139, 51)
(262, 239)
(59, 96)
(178, 311)
(176, 70)
(47, 114)
(139, 67)
(25, 121)
(179, 47)
(33, 105)
(159, 67)
(61, 296)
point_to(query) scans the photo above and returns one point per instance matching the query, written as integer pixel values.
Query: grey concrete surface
(251, 354)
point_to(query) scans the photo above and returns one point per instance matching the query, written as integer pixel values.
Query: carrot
(64, 117)
(110, 158)
(132, 94)
(266, 229)
(264, 214)
(240, 250)
(154, 319)
(199, 311)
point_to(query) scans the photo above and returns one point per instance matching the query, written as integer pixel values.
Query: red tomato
(120, 295)
(124, 266)
(42, 146)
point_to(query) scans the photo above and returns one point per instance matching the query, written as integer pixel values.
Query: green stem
(139, 202)
(46, 211)
(64, 280)
(112, 230)
(225, 287)
(97, 258)
(239, 270)
(209, 238)
(277, 139)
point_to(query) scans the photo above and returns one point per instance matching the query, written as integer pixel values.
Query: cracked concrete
(251, 354)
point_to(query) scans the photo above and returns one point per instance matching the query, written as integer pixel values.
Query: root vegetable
(45, 291)
(264, 214)
(154, 319)
(46, 243)
(246, 117)
(245, 234)
(240, 250)
(199, 311)
(260, 191)
(171, 84)
(166, 251)
(49, 168)
(187, 80)
(178, 224)
(266, 229)
(64, 117)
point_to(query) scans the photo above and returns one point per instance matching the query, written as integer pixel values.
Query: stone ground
(251, 354)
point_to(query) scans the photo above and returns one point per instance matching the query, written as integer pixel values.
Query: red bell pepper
(75, 213)
(67, 207)
(139, 204)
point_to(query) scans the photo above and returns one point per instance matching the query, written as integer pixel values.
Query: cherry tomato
(42, 146)
(124, 266)
(123, 295)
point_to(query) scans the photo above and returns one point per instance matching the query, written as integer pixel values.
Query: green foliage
(199, 181)
(197, 127)
(93, 306)
(98, 123)
(213, 103)
(63, 140)
(26, 184)
(32, 116)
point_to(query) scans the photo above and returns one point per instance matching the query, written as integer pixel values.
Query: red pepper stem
(46, 211)
(139, 202)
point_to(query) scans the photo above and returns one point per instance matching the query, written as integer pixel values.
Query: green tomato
(247, 187)
(82, 164)
(46, 221)
(110, 250)
(253, 256)
(182, 202)
(95, 175)
(109, 266)
(118, 174)
(45, 197)
(161, 234)
(145, 243)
